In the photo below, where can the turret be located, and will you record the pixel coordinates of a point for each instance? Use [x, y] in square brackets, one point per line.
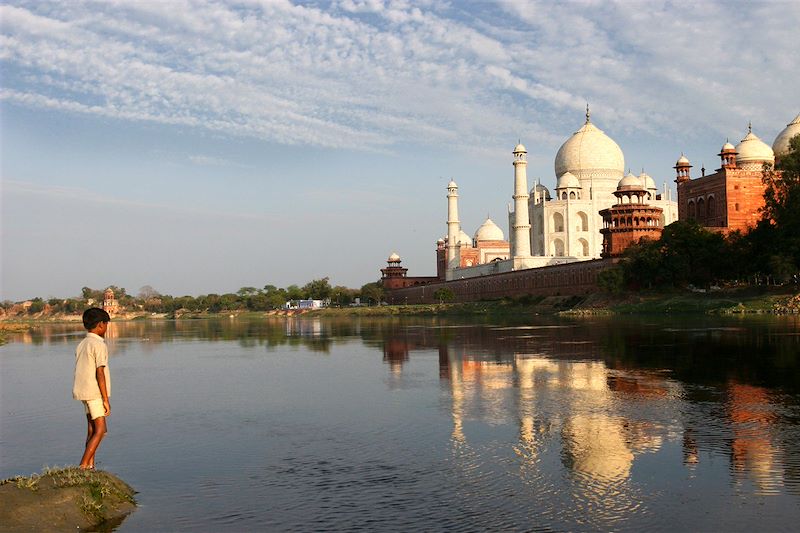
[682, 167]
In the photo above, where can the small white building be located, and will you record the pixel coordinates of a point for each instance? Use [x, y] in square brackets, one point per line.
[305, 304]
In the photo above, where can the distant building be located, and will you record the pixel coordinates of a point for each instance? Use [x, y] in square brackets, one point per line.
[732, 197]
[110, 304]
[395, 276]
[305, 304]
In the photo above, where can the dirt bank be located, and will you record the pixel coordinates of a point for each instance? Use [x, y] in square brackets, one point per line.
[64, 499]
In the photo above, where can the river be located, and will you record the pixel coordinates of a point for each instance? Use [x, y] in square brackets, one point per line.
[543, 424]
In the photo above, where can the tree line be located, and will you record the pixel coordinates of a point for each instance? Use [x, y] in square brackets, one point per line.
[266, 298]
[688, 253]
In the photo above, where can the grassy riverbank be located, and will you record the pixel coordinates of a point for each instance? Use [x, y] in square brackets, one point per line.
[64, 499]
[751, 300]
[761, 300]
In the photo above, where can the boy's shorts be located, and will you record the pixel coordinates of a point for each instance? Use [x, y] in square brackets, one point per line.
[94, 408]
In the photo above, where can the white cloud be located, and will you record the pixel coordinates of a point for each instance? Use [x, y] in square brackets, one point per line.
[371, 75]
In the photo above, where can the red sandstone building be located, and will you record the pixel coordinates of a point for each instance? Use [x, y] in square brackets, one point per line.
[630, 219]
[732, 197]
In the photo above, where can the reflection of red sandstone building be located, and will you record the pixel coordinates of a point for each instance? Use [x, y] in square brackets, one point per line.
[630, 219]
[110, 304]
[731, 198]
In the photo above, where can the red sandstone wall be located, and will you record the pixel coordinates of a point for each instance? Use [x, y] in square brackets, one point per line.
[738, 197]
[557, 280]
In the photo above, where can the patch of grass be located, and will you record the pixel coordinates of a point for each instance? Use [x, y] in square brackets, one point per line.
[97, 482]
[22, 482]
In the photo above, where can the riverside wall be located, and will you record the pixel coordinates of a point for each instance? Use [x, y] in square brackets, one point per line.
[556, 280]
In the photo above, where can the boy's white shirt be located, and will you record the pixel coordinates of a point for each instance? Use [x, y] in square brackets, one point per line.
[90, 354]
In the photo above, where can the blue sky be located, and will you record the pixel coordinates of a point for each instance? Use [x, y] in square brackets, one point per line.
[203, 146]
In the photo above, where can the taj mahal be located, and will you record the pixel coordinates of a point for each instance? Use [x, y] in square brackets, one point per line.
[551, 228]
[559, 241]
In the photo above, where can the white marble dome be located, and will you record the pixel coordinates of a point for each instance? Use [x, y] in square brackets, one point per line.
[647, 182]
[464, 239]
[630, 182]
[393, 258]
[489, 231]
[520, 148]
[752, 153]
[781, 145]
[682, 160]
[452, 185]
[727, 147]
[590, 152]
[567, 180]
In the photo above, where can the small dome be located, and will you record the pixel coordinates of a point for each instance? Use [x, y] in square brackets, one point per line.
[781, 145]
[727, 147]
[567, 181]
[630, 182]
[647, 182]
[464, 239]
[520, 148]
[753, 152]
[489, 231]
[394, 258]
[452, 184]
[682, 160]
[541, 190]
[440, 241]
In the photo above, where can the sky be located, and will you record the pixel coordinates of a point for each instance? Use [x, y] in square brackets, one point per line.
[202, 146]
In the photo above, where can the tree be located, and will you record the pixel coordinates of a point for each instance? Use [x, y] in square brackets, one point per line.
[318, 289]
[146, 292]
[341, 295]
[444, 294]
[372, 292]
[611, 280]
[781, 213]
[244, 292]
[293, 292]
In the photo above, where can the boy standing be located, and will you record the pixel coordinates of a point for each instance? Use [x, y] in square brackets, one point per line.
[92, 380]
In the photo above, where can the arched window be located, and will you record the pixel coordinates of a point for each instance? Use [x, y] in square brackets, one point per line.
[693, 210]
[572, 195]
[558, 248]
[583, 221]
[701, 210]
[711, 207]
[564, 195]
[584, 247]
[558, 222]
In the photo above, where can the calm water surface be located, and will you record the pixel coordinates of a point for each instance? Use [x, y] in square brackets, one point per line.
[624, 424]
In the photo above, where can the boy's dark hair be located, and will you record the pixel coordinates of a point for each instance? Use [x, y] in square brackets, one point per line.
[93, 316]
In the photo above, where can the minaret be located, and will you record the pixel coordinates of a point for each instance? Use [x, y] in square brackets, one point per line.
[522, 224]
[453, 225]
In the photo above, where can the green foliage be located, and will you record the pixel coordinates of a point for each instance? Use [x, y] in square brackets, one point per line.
[780, 226]
[372, 293]
[444, 294]
[37, 306]
[685, 254]
[318, 289]
[611, 280]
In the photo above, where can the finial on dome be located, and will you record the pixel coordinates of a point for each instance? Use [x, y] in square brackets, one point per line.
[749, 126]
[587, 113]
[703, 169]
